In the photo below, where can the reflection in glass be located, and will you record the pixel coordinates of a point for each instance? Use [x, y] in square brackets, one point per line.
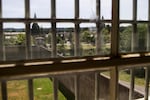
[106, 9]
[88, 9]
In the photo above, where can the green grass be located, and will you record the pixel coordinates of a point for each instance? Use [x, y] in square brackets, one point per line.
[43, 90]
[126, 77]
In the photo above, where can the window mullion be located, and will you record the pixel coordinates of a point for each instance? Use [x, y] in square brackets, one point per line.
[2, 49]
[98, 25]
[77, 29]
[27, 29]
[53, 16]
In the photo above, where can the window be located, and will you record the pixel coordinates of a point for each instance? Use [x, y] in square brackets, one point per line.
[89, 23]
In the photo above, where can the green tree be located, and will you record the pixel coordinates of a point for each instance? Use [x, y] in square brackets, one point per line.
[125, 39]
[20, 39]
[87, 37]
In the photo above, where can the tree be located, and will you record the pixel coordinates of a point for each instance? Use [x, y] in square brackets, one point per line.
[87, 37]
[125, 39]
[35, 29]
[20, 39]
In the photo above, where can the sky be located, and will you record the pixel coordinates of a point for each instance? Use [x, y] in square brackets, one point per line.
[65, 9]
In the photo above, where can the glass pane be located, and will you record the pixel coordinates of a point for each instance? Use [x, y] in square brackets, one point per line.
[41, 40]
[105, 38]
[88, 9]
[106, 9]
[125, 37]
[126, 9]
[13, 8]
[65, 8]
[14, 41]
[41, 8]
[87, 39]
[142, 30]
[142, 10]
[65, 39]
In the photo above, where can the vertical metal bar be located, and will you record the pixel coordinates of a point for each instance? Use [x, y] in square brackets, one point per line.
[132, 81]
[148, 34]
[76, 87]
[134, 47]
[4, 90]
[55, 88]
[97, 86]
[53, 24]
[2, 48]
[114, 83]
[147, 74]
[114, 49]
[54, 46]
[134, 43]
[30, 89]
[27, 29]
[28, 46]
[98, 25]
[77, 29]
[146, 83]
[115, 28]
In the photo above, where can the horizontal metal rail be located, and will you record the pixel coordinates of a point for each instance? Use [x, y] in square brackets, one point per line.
[53, 66]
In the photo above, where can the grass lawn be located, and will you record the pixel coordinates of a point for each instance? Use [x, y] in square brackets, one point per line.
[126, 77]
[43, 90]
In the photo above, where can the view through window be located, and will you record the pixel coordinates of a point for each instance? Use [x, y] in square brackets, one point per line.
[41, 29]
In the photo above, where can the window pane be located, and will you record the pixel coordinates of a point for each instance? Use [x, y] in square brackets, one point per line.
[126, 9]
[87, 39]
[13, 8]
[125, 37]
[41, 8]
[142, 10]
[65, 8]
[106, 9]
[14, 41]
[88, 9]
[40, 40]
[65, 39]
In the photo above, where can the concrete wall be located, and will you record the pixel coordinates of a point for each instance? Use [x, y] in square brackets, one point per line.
[87, 87]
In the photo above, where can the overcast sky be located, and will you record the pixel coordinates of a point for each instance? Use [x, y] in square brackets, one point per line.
[65, 9]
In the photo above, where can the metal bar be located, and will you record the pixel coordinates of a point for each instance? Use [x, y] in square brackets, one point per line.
[147, 74]
[27, 29]
[114, 83]
[148, 34]
[97, 85]
[115, 28]
[55, 88]
[134, 47]
[4, 90]
[2, 48]
[20, 69]
[77, 30]
[98, 25]
[53, 16]
[30, 89]
[132, 81]
[76, 87]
